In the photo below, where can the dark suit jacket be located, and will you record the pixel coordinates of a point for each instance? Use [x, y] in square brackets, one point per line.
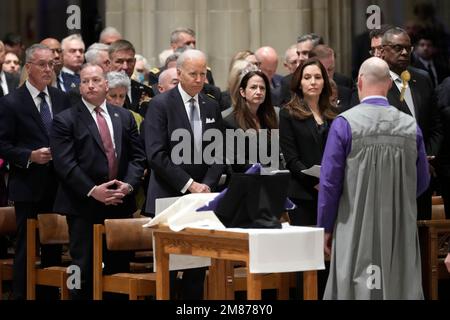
[165, 114]
[81, 163]
[12, 81]
[342, 80]
[442, 71]
[138, 91]
[302, 147]
[22, 131]
[425, 105]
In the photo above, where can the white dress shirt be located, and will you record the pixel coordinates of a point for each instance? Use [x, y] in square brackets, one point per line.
[4, 83]
[37, 100]
[105, 114]
[408, 97]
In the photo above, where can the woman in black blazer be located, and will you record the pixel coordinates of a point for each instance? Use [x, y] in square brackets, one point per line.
[253, 110]
[304, 124]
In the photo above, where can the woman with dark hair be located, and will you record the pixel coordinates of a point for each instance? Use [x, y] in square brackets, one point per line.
[253, 110]
[304, 124]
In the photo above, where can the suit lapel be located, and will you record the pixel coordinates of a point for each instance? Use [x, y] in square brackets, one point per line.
[87, 119]
[180, 109]
[117, 128]
[203, 111]
[394, 99]
[414, 93]
[28, 102]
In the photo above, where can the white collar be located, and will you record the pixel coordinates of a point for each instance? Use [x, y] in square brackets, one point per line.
[91, 107]
[185, 96]
[34, 91]
[67, 70]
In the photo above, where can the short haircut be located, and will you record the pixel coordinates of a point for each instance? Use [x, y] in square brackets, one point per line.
[72, 37]
[189, 54]
[376, 33]
[118, 79]
[171, 58]
[316, 39]
[91, 54]
[88, 64]
[321, 51]
[29, 53]
[142, 58]
[387, 36]
[163, 75]
[109, 31]
[174, 36]
[121, 45]
[12, 39]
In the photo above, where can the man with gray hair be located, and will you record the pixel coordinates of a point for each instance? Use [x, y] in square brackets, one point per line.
[97, 53]
[109, 35]
[26, 116]
[373, 168]
[73, 57]
[184, 107]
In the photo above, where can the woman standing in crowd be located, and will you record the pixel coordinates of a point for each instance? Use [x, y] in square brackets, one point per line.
[119, 84]
[253, 110]
[304, 124]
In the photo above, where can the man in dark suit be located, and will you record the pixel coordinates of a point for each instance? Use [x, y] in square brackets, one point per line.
[183, 107]
[268, 59]
[99, 161]
[424, 58]
[25, 120]
[419, 100]
[121, 54]
[8, 81]
[73, 57]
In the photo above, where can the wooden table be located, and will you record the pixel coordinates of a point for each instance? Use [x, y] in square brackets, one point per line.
[222, 247]
[429, 231]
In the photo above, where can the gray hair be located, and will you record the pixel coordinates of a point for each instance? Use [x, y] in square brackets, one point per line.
[163, 75]
[121, 45]
[139, 57]
[286, 54]
[316, 39]
[172, 57]
[175, 35]
[190, 54]
[109, 31]
[118, 79]
[91, 54]
[72, 37]
[387, 36]
[29, 53]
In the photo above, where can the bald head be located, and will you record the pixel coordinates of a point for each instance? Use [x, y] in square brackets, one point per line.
[167, 80]
[374, 78]
[268, 58]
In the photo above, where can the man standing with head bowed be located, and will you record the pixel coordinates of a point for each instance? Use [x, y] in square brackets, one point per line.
[25, 120]
[183, 107]
[99, 161]
[374, 166]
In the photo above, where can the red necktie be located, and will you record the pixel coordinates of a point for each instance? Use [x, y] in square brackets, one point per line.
[107, 143]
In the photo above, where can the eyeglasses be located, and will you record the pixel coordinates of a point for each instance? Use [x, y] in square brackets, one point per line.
[42, 64]
[399, 48]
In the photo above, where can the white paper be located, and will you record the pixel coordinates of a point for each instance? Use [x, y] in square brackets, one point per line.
[313, 171]
[179, 213]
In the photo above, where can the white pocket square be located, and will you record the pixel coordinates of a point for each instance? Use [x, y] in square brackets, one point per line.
[208, 120]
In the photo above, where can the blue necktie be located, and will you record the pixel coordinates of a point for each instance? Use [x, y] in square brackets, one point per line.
[46, 116]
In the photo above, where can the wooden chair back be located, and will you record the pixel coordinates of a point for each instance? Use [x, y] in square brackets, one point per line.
[123, 234]
[52, 229]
